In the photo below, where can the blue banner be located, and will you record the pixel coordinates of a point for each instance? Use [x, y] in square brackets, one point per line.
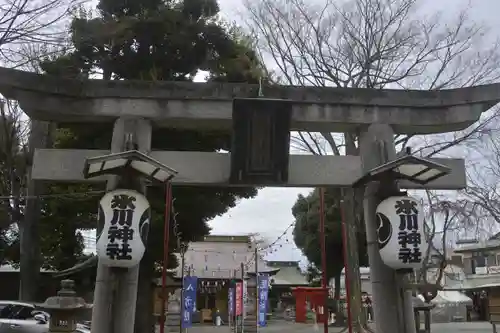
[263, 295]
[230, 301]
[188, 300]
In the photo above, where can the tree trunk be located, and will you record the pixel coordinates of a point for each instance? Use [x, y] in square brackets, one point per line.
[144, 316]
[29, 228]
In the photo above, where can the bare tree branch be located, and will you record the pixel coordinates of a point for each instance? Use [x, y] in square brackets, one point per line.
[445, 220]
[372, 44]
[33, 23]
[13, 153]
[483, 175]
[383, 44]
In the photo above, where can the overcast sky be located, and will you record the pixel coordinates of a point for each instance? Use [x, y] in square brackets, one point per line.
[270, 212]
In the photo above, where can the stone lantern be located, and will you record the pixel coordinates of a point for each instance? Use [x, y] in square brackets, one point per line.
[64, 308]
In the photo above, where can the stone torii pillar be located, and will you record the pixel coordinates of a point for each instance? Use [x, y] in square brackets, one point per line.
[376, 148]
[40, 137]
[115, 294]
[375, 114]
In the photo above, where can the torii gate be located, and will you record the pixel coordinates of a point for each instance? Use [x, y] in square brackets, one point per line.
[375, 114]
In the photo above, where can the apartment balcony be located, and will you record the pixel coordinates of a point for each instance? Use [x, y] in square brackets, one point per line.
[480, 277]
[481, 271]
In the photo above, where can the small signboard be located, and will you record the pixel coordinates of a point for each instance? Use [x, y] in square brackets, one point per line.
[261, 141]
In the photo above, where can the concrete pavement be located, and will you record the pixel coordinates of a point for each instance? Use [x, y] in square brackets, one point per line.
[481, 327]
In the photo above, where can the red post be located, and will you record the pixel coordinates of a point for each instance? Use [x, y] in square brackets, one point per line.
[346, 271]
[319, 301]
[166, 236]
[323, 254]
[300, 305]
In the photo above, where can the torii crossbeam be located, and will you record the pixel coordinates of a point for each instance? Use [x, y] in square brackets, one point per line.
[375, 114]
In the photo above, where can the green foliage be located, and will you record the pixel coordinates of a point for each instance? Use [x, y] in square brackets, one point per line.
[151, 40]
[66, 209]
[313, 276]
[306, 232]
[158, 40]
[72, 207]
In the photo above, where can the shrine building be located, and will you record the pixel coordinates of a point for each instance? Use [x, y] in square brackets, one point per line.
[217, 261]
[288, 277]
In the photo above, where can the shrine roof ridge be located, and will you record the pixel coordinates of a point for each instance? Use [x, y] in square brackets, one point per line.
[283, 263]
[12, 81]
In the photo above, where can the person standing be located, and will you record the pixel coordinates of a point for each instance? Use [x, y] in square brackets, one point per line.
[369, 308]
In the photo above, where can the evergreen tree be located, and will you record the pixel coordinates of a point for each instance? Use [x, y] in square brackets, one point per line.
[155, 40]
[306, 235]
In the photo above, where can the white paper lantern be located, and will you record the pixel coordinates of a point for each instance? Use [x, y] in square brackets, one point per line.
[125, 217]
[400, 229]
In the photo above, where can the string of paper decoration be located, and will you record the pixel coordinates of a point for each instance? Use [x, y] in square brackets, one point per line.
[272, 247]
[277, 242]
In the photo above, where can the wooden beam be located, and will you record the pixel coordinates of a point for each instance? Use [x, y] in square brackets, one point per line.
[213, 169]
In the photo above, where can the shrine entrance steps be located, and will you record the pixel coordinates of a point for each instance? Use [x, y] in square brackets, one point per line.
[172, 323]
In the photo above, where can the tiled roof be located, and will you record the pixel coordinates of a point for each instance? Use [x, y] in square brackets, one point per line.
[289, 273]
[221, 257]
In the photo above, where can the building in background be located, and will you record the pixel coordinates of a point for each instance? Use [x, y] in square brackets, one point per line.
[89, 241]
[366, 285]
[289, 276]
[216, 261]
[481, 266]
